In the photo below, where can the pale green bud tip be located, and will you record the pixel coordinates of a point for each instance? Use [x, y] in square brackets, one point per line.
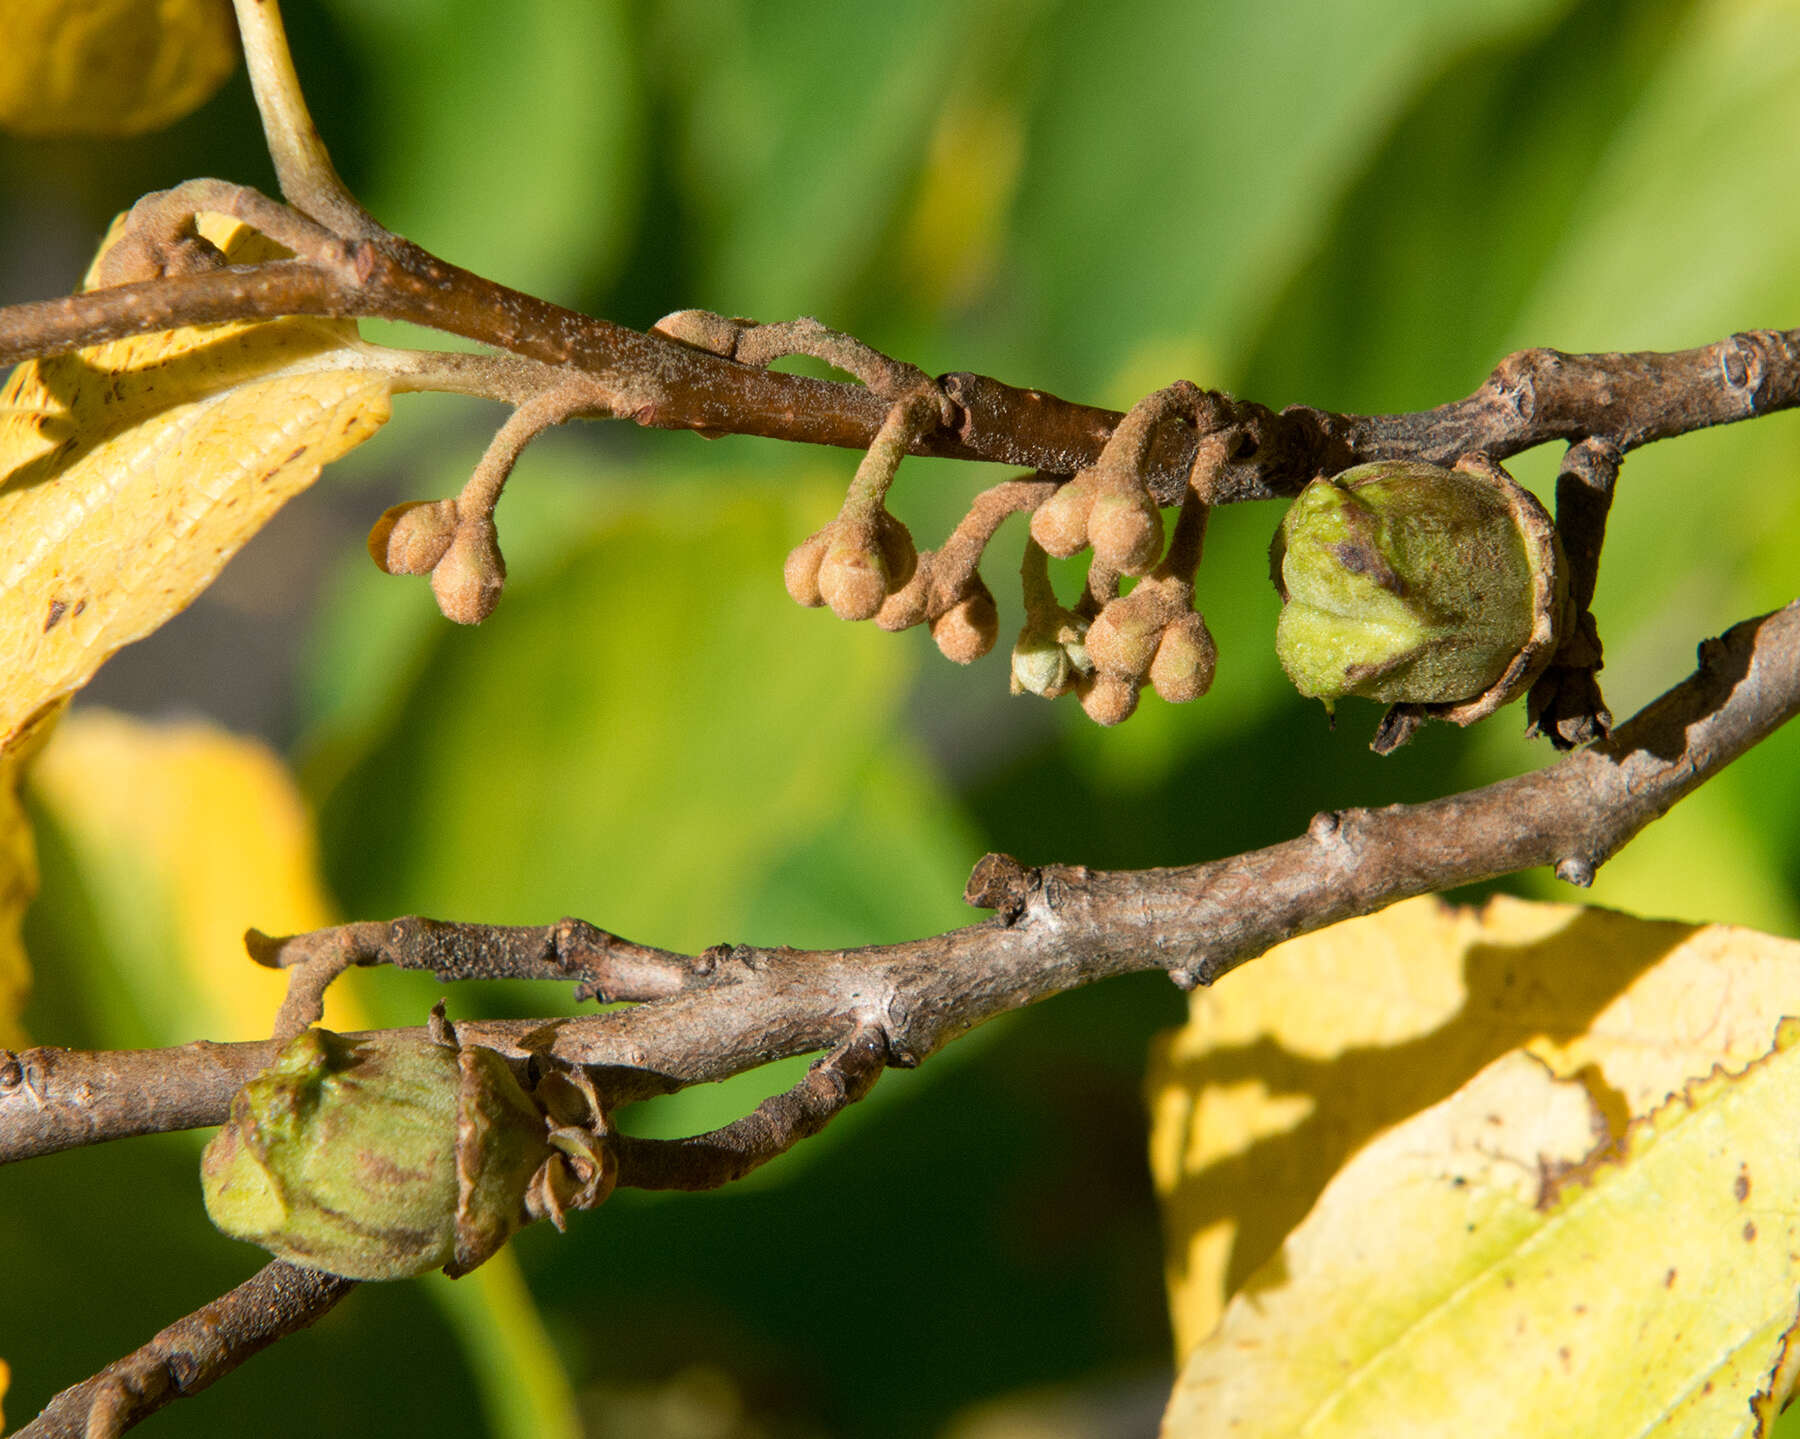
[1040, 667]
[375, 1158]
[1403, 583]
[1050, 656]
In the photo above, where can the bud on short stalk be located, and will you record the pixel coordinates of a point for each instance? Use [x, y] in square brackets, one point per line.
[852, 565]
[967, 630]
[1411, 584]
[1182, 669]
[1060, 524]
[467, 580]
[1125, 528]
[410, 539]
[1109, 699]
[1050, 656]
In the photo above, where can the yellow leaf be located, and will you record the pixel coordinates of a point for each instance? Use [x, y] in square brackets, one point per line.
[5, 1380]
[131, 472]
[111, 67]
[18, 883]
[215, 838]
[1449, 1282]
[1294, 1063]
[18, 877]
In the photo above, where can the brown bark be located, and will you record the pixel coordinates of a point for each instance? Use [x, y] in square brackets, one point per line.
[1057, 927]
[1532, 397]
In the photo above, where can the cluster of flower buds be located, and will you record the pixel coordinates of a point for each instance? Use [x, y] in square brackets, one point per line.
[1437, 589]
[1152, 634]
[1106, 507]
[460, 552]
[950, 598]
[1111, 645]
[863, 565]
[389, 1156]
[454, 541]
[865, 555]
[853, 564]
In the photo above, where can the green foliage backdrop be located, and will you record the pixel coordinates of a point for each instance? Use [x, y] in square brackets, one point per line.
[1353, 206]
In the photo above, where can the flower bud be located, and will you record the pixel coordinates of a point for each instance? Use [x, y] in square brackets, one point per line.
[468, 579]
[853, 579]
[410, 539]
[801, 572]
[1412, 584]
[1041, 668]
[898, 552]
[1060, 524]
[863, 562]
[1109, 699]
[1123, 637]
[967, 630]
[1050, 656]
[1125, 528]
[377, 1158]
[1185, 659]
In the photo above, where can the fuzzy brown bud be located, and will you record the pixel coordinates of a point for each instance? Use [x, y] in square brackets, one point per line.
[1185, 660]
[853, 579]
[898, 552]
[801, 572]
[967, 630]
[1109, 699]
[468, 579]
[1126, 530]
[702, 329]
[1122, 639]
[1060, 524]
[410, 539]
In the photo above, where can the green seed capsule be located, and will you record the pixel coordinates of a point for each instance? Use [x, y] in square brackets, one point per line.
[1411, 584]
[376, 1158]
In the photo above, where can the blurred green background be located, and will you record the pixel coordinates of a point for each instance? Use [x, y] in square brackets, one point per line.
[1359, 207]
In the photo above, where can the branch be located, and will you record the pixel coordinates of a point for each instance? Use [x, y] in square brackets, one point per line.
[302, 166]
[282, 1298]
[1057, 928]
[1531, 398]
[709, 1161]
[607, 967]
[191, 1353]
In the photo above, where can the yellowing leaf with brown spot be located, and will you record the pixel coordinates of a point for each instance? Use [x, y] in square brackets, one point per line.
[1442, 1286]
[131, 472]
[1463, 1055]
[183, 836]
[110, 67]
[1293, 1063]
